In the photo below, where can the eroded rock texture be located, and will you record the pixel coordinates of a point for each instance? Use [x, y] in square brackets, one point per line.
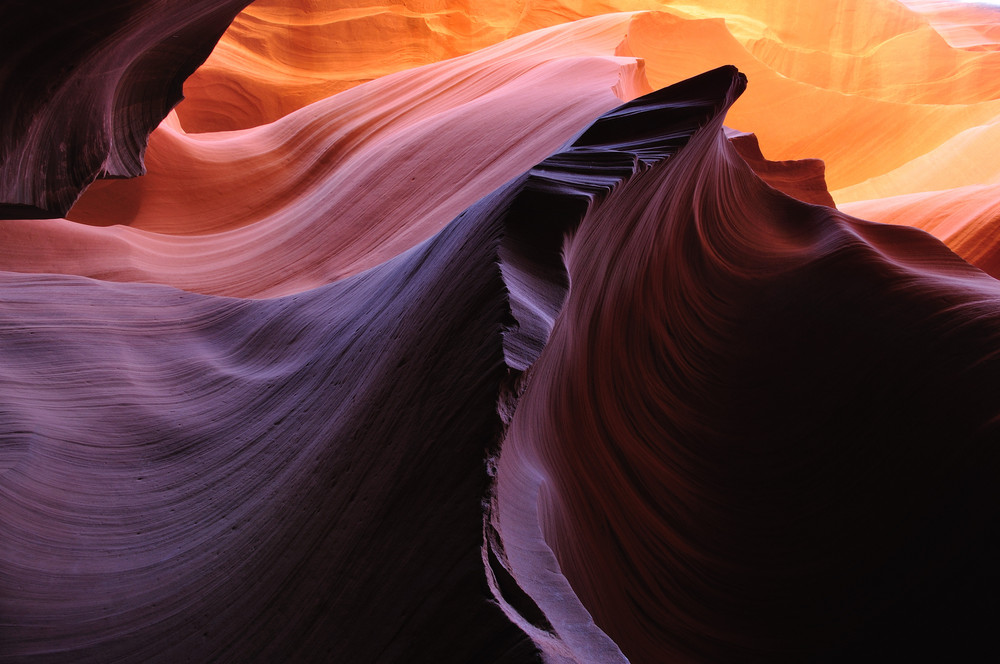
[727, 444]
[468, 333]
[84, 84]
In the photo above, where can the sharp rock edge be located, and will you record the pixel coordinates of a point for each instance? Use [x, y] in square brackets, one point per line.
[758, 430]
[189, 477]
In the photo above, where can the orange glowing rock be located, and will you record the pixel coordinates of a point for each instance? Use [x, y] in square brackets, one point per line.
[877, 78]
[580, 373]
[967, 219]
[343, 184]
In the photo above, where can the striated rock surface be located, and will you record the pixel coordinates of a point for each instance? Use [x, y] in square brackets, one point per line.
[965, 218]
[877, 78]
[83, 86]
[198, 477]
[760, 430]
[802, 179]
[433, 333]
[967, 25]
[341, 185]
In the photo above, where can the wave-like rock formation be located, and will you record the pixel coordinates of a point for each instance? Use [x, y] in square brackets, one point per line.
[343, 184]
[879, 78]
[505, 357]
[194, 478]
[964, 218]
[728, 446]
[83, 86]
[803, 179]
[214, 481]
[972, 26]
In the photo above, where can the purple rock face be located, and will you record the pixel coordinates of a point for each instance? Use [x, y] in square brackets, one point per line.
[633, 405]
[197, 477]
[83, 85]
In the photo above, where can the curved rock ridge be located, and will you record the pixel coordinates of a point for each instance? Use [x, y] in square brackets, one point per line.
[760, 430]
[555, 194]
[968, 25]
[344, 184]
[83, 86]
[965, 218]
[965, 159]
[280, 55]
[195, 478]
[801, 178]
[825, 122]
[869, 77]
[653, 129]
[192, 477]
[432, 365]
[883, 70]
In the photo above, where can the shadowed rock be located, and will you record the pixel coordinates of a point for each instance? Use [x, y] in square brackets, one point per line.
[83, 85]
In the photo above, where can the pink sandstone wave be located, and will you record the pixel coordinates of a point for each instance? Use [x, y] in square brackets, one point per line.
[434, 333]
[883, 68]
[343, 184]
